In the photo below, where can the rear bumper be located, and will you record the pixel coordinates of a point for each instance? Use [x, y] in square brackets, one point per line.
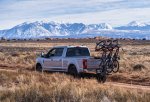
[89, 70]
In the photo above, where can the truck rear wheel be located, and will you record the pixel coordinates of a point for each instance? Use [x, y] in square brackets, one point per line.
[72, 71]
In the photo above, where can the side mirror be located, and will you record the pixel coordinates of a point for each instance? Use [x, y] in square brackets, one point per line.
[52, 55]
[42, 54]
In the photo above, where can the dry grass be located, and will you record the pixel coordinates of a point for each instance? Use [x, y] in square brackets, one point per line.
[36, 87]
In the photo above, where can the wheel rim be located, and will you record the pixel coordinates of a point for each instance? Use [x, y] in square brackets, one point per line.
[109, 66]
[115, 66]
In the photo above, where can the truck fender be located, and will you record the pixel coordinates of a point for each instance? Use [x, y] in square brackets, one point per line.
[71, 64]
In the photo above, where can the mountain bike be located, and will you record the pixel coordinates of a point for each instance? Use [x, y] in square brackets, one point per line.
[102, 71]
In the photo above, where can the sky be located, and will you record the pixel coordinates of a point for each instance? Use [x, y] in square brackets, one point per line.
[114, 12]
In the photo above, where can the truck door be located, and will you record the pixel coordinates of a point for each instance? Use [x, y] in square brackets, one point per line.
[54, 59]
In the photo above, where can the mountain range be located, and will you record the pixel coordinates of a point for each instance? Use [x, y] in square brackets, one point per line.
[40, 29]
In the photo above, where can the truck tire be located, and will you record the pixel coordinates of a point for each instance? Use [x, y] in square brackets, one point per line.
[38, 67]
[72, 71]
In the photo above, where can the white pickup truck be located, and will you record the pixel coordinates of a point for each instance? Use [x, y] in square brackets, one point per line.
[71, 59]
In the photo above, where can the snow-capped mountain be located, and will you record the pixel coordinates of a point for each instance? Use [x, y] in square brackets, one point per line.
[47, 29]
[134, 25]
[42, 29]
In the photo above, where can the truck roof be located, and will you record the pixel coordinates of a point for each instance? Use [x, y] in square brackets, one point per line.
[68, 46]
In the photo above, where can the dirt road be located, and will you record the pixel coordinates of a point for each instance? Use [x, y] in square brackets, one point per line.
[129, 86]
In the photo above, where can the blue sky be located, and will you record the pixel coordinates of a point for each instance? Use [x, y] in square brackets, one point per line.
[114, 12]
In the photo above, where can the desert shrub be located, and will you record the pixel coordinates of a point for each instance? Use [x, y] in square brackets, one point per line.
[14, 54]
[138, 67]
[133, 53]
[144, 39]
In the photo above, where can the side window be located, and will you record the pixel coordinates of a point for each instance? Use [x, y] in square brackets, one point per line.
[58, 52]
[55, 52]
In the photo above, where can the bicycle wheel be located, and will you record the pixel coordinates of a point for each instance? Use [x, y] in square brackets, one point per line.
[109, 66]
[99, 45]
[115, 66]
[102, 75]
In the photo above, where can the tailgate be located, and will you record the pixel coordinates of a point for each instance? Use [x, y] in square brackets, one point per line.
[93, 63]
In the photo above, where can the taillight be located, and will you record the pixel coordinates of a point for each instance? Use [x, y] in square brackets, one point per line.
[84, 63]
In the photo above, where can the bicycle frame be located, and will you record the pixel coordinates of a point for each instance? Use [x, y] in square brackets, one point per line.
[116, 54]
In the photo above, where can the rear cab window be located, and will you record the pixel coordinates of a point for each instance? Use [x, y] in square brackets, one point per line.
[77, 51]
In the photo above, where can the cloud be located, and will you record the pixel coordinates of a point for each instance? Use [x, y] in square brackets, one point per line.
[13, 12]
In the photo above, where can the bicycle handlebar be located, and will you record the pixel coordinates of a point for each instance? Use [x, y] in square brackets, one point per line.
[107, 45]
